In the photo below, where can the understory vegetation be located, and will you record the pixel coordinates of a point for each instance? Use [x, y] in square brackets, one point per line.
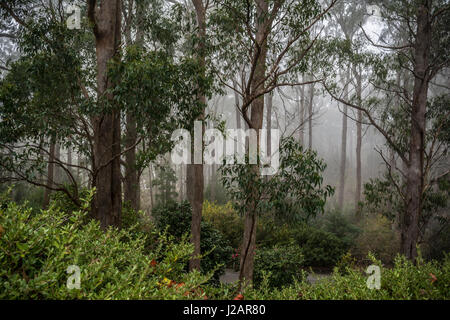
[148, 258]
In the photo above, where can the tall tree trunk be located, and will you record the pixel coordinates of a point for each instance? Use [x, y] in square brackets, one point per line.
[69, 158]
[50, 174]
[238, 117]
[257, 112]
[194, 177]
[358, 145]
[343, 146]
[310, 114]
[269, 123]
[150, 185]
[107, 204]
[414, 175]
[131, 180]
[301, 106]
[236, 103]
[78, 170]
[57, 176]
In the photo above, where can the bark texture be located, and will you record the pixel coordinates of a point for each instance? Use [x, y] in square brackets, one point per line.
[358, 144]
[414, 178]
[256, 114]
[194, 174]
[343, 146]
[107, 204]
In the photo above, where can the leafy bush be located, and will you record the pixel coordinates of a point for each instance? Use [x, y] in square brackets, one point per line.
[341, 226]
[225, 219]
[176, 219]
[282, 264]
[378, 237]
[320, 248]
[438, 241]
[36, 250]
[271, 233]
[131, 217]
[61, 201]
[22, 192]
[405, 281]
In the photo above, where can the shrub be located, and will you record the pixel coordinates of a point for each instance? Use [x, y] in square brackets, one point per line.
[176, 219]
[270, 233]
[131, 217]
[62, 202]
[22, 192]
[341, 226]
[36, 249]
[437, 239]
[225, 219]
[320, 248]
[405, 281]
[378, 237]
[282, 264]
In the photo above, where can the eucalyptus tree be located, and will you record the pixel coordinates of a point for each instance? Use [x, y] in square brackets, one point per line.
[421, 51]
[73, 86]
[148, 25]
[272, 40]
[348, 15]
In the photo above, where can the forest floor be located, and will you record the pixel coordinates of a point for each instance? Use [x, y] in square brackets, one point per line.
[230, 276]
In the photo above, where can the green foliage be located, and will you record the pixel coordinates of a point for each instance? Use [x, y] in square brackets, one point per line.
[62, 202]
[175, 218]
[294, 193]
[320, 248]
[382, 196]
[282, 264]
[225, 219]
[405, 281]
[132, 218]
[219, 194]
[165, 182]
[36, 249]
[341, 226]
[49, 93]
[22, 192]
[230, 21]
[161, 93]
[437, 243]
[377, 236]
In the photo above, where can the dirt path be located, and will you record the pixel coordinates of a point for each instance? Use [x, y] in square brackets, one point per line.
[231, 276]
